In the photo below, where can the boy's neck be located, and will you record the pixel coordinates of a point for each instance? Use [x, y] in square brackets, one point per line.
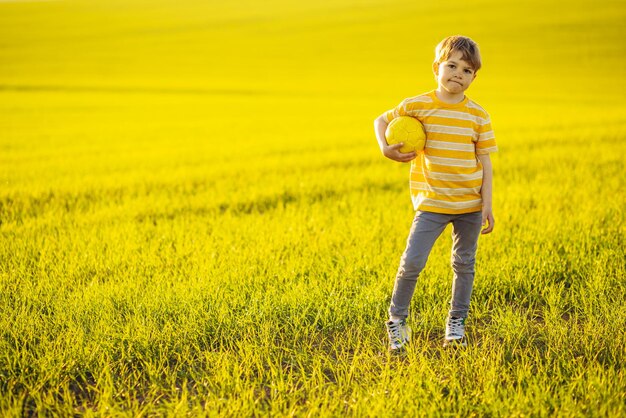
[449, 98]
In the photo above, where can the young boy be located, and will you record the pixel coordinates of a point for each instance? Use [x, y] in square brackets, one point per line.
[450, 182]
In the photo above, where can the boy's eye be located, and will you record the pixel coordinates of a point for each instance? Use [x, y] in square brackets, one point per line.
[468, 71]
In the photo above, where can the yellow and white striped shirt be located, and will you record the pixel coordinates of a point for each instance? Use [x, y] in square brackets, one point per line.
[447, 176]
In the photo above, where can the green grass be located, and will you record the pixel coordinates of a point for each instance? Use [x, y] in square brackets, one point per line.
[195, 217]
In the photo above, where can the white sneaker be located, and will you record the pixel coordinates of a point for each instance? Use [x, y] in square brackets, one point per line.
[399, 334]
[455, 332]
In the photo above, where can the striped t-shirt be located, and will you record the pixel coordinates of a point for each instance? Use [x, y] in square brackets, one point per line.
[447, 176]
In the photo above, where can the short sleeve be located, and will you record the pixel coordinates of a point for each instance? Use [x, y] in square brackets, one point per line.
[486, 143]
[398, 111]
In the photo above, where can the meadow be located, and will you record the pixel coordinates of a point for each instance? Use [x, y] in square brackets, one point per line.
[195, 218]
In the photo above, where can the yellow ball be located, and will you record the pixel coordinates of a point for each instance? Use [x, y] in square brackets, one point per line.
[408, 130]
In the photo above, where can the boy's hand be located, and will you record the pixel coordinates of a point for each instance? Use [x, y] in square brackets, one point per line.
[487, 218]
[393, 153]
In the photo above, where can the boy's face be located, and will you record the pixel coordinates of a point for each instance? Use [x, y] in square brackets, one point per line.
[454, 75]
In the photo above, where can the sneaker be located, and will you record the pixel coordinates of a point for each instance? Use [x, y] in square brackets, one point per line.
[455, 332]
[399, 334]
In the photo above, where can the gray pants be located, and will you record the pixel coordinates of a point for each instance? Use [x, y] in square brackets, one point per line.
[426, 228]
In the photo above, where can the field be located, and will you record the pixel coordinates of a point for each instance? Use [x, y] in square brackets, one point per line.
[195, 218]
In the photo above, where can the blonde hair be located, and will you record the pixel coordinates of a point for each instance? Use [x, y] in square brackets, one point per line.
[463, 44]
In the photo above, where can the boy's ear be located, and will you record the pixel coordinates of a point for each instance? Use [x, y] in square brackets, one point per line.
[435, 68]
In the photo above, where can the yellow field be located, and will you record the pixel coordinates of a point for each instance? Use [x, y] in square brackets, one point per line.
[195, 217]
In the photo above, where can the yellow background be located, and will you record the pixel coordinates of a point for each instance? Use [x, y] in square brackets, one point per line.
[195, 216]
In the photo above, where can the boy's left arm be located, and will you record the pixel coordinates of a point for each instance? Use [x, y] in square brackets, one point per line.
[485, 192]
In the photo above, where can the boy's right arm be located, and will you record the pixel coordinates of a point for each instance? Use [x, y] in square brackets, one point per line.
[390, 151]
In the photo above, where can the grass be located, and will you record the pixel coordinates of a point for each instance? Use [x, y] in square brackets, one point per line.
[195, 218]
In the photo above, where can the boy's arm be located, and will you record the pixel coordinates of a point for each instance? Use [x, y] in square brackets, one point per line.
[390, 151]
[485, 192]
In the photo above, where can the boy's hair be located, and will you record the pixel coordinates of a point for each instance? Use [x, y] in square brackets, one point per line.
[463, 44]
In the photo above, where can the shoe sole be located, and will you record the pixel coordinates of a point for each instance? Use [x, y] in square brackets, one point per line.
[454, 343]
[400, 348]
[397, 351]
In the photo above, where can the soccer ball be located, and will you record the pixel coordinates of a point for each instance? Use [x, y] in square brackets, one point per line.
[408, 130]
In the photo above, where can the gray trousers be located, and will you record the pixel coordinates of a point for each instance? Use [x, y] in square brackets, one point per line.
[426, 228]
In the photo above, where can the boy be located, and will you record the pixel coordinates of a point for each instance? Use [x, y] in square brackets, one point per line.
[450, 182]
